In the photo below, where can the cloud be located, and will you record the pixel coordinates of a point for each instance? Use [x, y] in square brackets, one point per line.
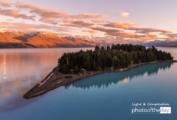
[61, 22]
[126, 35]
[15, 14]
[125, 14]
[77, 23]
[31, 27]
[5, 3]
[93, 27]
[87, 16]
[148, 30]
[90, 31]
[115, 32]
[172, 35]
[98, 21]
[50, 14]
[108, 31]
[50, 21]
[124, 25]
[115, 24]
[47, 15]
[130, 26]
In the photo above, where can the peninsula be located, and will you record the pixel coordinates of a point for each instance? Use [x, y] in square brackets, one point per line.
[74, 66]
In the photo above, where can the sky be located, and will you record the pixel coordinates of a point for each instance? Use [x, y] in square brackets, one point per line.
[123, 21]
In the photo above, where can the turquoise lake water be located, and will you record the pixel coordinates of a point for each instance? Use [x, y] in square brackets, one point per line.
[106, 96]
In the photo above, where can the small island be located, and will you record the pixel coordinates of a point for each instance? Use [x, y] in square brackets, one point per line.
[75, 66]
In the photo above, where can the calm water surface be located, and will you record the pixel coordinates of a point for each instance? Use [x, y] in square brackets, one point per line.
[102, 97]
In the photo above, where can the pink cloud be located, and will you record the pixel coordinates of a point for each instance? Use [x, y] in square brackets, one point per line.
[125, 14]
[46, 15]
[31, 27]
[119, 25]
[108, 31]
[15, 14]
[115, 24]
[90, 31]
[148, 30]
[129, 26]
[59, 20]
[88, 16]
[5, 3]
[77, 23]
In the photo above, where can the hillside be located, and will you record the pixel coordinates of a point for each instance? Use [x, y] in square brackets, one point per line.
[159, 43]
[41, 40]
[170, 45]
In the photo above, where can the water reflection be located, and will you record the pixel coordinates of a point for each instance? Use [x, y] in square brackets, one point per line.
[125, 81]
[21, 69]
[24, 68]
[125, 77]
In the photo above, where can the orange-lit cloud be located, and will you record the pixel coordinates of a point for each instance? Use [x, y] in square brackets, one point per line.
[148, 30]
[124, 25]
[5, 3]
[46, 15]
[15, 14]
[107, 30]
[172, 37]
[30, 27]
[124, 14]
[129, 26]
[51, 16]
[88, 16]
[77, 23]
[115, 24]
[62, 22]
[90, 31]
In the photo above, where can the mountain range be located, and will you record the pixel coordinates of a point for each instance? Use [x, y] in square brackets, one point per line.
[51, 40]
[159, 43]
[42, 40]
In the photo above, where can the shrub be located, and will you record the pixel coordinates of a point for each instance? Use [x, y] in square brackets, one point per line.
[80, 74]
[59, 78]
[71, 71]
[83, 71]
[90, 73]
[69, 76]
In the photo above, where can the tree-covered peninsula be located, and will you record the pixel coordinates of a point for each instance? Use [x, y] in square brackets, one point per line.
[110, 58]
[82, 64]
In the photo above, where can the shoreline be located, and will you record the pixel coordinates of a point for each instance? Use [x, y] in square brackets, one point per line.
[52, 80]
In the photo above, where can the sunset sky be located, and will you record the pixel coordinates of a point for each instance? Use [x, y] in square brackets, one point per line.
[125, 21]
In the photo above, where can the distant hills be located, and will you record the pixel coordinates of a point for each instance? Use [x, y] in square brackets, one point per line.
[170, 45]
[41, 40]
[158, 43]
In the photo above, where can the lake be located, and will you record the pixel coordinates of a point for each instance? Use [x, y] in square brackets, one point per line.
[106, 96]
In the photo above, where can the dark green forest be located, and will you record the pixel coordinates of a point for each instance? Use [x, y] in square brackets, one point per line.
[110, 58]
